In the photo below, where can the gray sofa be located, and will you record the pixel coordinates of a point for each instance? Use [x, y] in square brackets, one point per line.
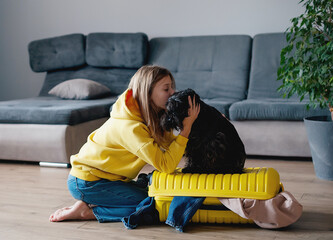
[234, 73]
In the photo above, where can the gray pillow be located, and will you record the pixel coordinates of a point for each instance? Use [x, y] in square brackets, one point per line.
[80, 89]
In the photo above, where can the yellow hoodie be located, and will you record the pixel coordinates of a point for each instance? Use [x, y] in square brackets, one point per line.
[123, 145]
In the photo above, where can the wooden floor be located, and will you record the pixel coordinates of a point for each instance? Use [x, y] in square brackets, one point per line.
[29, 194]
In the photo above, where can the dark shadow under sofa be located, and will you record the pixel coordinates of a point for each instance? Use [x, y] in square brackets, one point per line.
[234, 73]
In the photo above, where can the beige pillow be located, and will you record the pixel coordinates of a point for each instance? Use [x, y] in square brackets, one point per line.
[80, 89]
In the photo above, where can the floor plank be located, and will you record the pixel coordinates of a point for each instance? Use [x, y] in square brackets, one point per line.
[29, 194]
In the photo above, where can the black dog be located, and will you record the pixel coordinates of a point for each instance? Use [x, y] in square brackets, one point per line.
[214, 145]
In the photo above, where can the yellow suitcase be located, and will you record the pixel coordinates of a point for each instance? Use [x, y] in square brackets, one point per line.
[256, 183]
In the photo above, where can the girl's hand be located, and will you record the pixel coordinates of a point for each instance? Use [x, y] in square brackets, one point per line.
[193, 112]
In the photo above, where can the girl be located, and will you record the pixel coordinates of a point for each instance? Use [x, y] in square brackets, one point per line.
[101, 174]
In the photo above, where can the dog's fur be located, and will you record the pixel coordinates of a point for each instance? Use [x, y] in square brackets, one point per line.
[214, 145]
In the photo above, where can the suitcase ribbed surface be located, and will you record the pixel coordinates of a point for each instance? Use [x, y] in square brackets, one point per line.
[256, 183]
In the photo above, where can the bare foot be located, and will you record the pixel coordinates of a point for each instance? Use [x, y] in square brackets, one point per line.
[79, 211]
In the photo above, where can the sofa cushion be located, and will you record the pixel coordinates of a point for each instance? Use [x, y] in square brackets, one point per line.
[116, 79]
[80, 89]
[220, 104]
[52, 110]
[264, 65]
[126, 50]
[214, 66]
[57, 53]
[272, 109]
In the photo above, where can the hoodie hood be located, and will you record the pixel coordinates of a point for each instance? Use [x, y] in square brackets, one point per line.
[126, 107]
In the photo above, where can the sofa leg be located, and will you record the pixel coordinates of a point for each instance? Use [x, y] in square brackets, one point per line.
[52, 164]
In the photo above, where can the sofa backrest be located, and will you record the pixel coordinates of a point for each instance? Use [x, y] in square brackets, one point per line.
[57, 53]
[214, 66]
[264, 65]
[108, 58]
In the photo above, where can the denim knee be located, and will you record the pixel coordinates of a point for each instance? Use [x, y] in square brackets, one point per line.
[73, 188]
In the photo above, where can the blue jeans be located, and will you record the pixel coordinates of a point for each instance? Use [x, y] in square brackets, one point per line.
[145, 214]
[181, 211]
[113, 199]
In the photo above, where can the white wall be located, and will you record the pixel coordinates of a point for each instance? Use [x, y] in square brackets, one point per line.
[22, 21]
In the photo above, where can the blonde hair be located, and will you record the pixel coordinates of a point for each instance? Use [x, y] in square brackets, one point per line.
[142, 85]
